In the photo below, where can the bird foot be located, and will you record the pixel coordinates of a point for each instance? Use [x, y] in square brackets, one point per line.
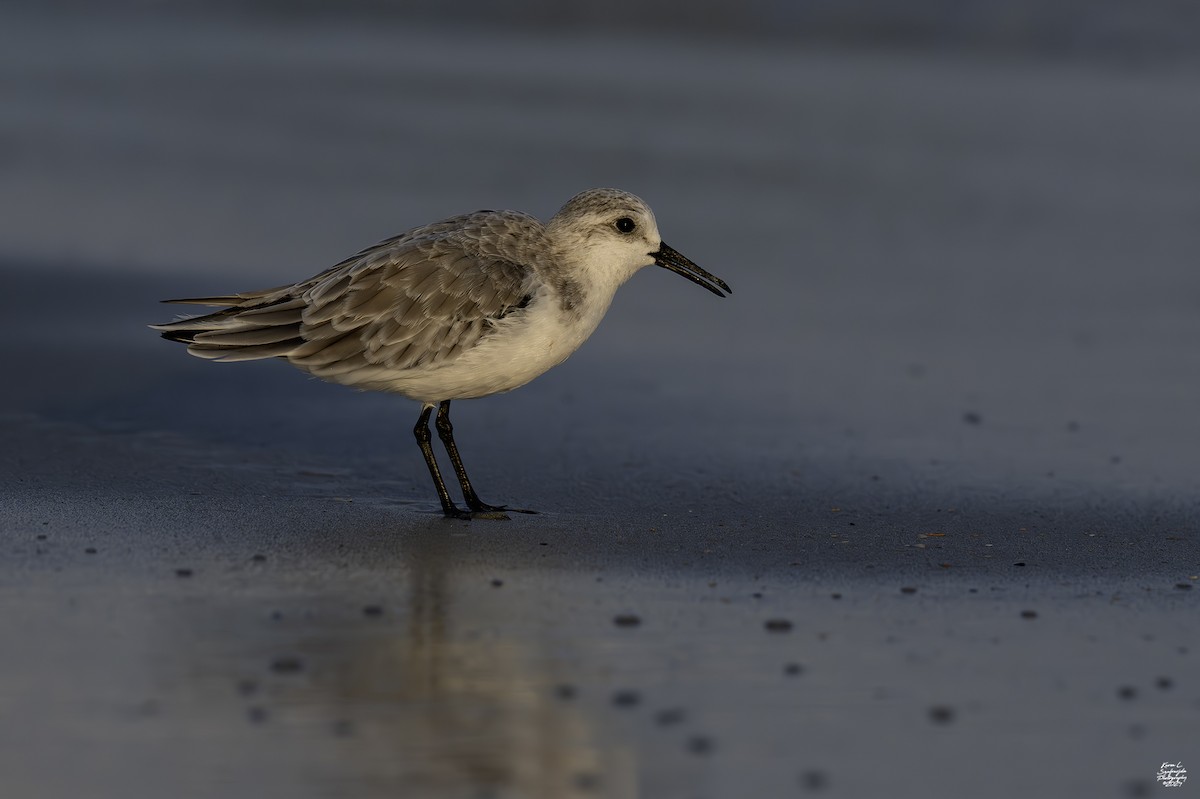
[482, 510]
[455, 512]
[495, 515]
[483, 507]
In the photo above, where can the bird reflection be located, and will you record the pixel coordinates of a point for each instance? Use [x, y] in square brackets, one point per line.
[435, 696]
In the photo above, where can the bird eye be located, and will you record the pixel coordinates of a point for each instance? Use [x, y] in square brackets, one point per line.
[625, 224]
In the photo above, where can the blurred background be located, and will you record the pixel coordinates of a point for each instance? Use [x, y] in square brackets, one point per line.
[271, 137]
[986, 213]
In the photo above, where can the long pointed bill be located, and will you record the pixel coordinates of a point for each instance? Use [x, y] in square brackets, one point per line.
[668, 258]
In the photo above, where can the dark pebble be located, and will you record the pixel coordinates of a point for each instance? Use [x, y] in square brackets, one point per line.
[183, 572]
[1127, 692]
[1137, 788]
[496, 583]
[92, 551]
[587, 781]
[247, 687]
[778, 625]
[1029, 614]
[668, 717]
[793, 669]
[565, 691]
[970, 417]
[908, 589]
[627, 620]
[1020, 563]
[1164, 683]
[835, 596]
[1180, 586]
[256, 714]
[258, 558]
[372, 610]
[700, 745]
[941, 714]
[814, 780]
[626, 698]
[287, 664]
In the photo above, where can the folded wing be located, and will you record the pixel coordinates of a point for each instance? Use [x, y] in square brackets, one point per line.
[411, 301]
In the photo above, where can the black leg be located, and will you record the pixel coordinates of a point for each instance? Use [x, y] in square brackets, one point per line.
[446, 434]
[421, 431]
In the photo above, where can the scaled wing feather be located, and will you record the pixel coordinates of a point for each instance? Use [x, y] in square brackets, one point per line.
[412, 300]
[415, 301]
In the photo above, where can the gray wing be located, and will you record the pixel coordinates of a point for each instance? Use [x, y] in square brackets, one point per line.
[414, 300]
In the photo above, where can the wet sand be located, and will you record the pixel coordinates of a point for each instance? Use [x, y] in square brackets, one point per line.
[912, 513]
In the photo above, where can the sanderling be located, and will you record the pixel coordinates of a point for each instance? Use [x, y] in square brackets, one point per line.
[471, 306]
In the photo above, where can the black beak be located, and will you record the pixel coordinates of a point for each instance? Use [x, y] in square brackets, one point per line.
[668, 258]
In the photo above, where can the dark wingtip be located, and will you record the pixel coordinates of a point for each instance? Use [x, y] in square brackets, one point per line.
[182, 336]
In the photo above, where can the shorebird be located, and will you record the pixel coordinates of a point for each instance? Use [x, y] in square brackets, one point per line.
[471, 306]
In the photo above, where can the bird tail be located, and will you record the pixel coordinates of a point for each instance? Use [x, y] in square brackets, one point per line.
[251, 326]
